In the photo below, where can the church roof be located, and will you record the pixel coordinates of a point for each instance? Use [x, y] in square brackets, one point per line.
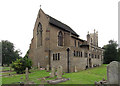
[61, 25]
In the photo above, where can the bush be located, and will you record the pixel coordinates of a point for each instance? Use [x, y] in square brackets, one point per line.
[20, 65]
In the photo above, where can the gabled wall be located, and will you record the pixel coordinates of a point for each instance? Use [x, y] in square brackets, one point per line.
[37, 54]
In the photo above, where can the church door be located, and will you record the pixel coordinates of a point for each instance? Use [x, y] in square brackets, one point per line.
[68, 60]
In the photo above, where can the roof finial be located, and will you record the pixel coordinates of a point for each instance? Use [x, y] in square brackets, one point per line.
[40, 6]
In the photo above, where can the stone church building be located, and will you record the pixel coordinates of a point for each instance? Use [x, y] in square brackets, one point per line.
[54, 43]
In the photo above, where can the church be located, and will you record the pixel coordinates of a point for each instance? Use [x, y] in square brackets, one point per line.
[55, 43]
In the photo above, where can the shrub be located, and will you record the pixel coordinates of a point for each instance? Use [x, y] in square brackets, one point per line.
[20, 65]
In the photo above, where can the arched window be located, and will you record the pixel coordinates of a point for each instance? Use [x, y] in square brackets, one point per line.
[39, 35]
[60, 39]
[39, 28]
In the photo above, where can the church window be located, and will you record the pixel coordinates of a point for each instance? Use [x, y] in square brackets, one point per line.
[89, 55]
[81, 54]
[74, 53]
[60, 39]
[95, 56]
[53, 57]
[39, 35]
[58, 56]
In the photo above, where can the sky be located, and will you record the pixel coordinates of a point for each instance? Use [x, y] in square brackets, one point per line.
[17, 19]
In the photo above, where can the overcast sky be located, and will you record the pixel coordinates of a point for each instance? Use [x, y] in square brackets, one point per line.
[17, 18]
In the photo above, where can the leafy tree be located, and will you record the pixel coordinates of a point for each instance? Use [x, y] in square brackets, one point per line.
[9, 54]
[20, 65]
[119, 54]
[110, 53]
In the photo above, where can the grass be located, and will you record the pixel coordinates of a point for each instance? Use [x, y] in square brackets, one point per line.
[82, 77]
[87, 76]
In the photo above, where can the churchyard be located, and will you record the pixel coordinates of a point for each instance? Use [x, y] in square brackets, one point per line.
[37, 76]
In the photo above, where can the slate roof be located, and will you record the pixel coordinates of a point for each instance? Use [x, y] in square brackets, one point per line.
[78, 38]
[61, 25]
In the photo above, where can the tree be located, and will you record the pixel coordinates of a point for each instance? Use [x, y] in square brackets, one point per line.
[20, 65]
[9, 54]
[119, 54]
[110, 53]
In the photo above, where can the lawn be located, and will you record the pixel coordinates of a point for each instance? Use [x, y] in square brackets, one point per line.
[88, 76]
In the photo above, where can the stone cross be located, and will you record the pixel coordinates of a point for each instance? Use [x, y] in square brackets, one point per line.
[26, 74]
[53, 72]
[59, 72]
[47, 68]
[38, 65]
[113, 72]
[75, 68]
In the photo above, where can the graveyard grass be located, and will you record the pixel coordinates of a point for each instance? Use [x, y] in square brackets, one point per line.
[88, 76]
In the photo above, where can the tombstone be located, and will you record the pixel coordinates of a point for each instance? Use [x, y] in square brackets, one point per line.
[26, 74]
[47, 68]
[38, 65]
[112, 73]
[53, 72]
[59, 72]
[75, 68]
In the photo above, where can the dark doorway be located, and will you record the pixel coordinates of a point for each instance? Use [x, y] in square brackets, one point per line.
[68, 60]
[90, 63]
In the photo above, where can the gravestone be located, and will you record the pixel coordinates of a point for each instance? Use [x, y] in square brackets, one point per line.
[113, 72]
[53, 72]
[47, 68]
[38, 65]
[59, 72]
[26, 75]
[75, 68]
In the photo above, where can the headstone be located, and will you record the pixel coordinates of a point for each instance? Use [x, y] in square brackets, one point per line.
[112, 73]
[53, 72]
[75, 69]
[47, 68]
[26, 74]
[38, 65]
[59, 72]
